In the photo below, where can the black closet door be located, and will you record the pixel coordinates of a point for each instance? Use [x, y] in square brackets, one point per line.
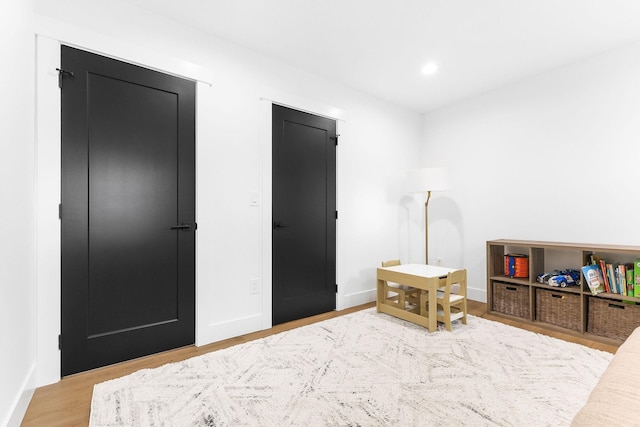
[128, 211]
[304, 214]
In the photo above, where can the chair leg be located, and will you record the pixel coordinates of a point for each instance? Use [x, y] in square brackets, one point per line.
[447, 317]
[464, 312]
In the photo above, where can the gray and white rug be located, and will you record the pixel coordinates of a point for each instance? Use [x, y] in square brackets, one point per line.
[364, 369]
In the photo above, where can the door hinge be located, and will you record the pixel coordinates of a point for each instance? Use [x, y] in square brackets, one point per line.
[61, 74]
[60, 342]
[336, 288]
[60, 211]
[336, 214]
[334, 138]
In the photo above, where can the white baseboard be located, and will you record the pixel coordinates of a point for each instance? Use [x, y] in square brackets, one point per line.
[357, 298]
[475, 294]
[229, 329]
[21, 401]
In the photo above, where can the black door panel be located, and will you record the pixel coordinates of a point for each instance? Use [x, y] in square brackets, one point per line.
[304, 233]
[128, 177]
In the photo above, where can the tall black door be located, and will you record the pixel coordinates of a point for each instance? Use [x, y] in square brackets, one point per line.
[304, 214]
[127, 212]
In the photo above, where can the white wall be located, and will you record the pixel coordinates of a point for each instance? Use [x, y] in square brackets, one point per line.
[17, 226]
[519, 157]
[550, 158]
[378, 143]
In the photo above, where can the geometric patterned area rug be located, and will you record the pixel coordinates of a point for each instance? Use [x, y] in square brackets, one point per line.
[364, 369]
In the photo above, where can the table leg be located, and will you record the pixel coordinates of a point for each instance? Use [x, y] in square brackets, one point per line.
[380, 297]
[433, 307]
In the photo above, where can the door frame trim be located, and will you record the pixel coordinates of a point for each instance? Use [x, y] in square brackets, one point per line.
[268, 97]
[48, 196]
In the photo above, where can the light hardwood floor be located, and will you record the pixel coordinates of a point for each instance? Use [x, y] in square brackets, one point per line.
[67, 403]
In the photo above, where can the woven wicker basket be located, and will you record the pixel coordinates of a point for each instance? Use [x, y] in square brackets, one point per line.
[511, 299]
[558, 308]
[612, 319]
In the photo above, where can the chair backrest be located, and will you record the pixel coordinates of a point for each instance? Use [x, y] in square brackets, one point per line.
[391, 263]
[456, 277]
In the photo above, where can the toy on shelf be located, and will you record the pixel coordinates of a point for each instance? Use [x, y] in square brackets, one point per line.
[560, 278]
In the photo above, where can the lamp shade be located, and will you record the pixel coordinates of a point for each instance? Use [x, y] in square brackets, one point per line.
[429, 179]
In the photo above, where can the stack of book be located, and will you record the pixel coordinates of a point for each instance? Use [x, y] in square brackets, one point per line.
[615, 277]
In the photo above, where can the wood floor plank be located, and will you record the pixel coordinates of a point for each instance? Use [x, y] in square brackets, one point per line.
[68, 402]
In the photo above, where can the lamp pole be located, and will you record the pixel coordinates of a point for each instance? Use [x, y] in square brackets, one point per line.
[426, 228]
[428, 180]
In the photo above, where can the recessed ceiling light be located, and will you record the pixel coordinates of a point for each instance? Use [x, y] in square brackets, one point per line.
[429, 68]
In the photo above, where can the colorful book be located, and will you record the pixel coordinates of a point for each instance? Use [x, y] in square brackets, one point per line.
[614, 274]
[622, 277]
[630, 282]
[603, 271]
[594, 279]
[611, 278]
[636, 278]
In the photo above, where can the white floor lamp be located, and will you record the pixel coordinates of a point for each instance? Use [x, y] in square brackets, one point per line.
[426, 180]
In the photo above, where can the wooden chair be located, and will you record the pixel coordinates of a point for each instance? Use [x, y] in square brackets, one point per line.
[400, 295]
[453, 306]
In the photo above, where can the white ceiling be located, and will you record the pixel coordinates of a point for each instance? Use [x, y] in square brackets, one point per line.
[379, 46]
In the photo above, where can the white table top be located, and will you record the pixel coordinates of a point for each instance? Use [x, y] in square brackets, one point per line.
[422, 270]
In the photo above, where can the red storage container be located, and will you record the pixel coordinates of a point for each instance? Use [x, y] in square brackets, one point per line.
[516, 265]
